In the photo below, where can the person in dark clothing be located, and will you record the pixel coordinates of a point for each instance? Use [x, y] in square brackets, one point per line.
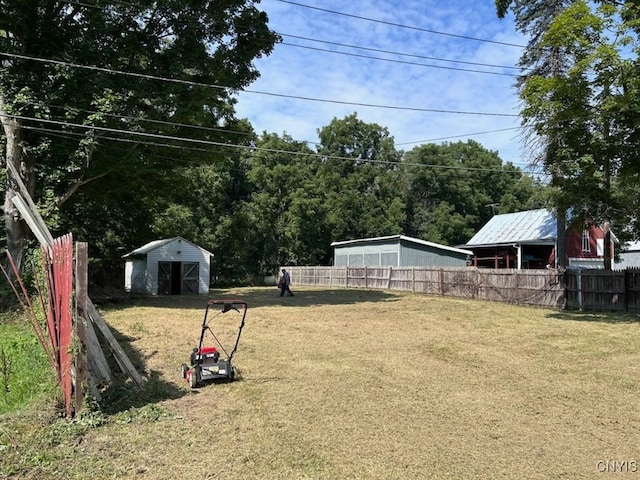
[285, 281]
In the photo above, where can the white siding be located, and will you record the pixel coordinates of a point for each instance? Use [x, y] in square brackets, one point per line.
[177, 251]
[141, 271]
[135, 276]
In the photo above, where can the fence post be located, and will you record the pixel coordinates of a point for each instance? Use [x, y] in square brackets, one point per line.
[413, 279]
[389, 280]
[579, 288]
[81, 275]
[624, 289]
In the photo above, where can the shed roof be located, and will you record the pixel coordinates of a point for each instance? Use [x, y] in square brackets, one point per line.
[145, 249]
[531, 226]
[402, 237]
[631, 247]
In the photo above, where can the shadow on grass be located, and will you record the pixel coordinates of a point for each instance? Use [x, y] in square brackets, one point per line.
[123, 393]
[596, 317]
[258, 297]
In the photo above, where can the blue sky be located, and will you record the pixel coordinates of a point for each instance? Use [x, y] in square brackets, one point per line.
[403, 27]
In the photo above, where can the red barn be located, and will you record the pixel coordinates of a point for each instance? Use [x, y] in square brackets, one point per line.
[528, 240]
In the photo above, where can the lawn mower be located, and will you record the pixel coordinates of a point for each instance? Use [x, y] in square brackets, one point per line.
[206, 364]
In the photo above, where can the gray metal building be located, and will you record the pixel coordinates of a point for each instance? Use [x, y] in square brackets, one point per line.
[397, 251]
[629, 257]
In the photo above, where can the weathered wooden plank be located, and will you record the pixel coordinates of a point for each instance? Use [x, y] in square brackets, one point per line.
[81, 379]
[116, 349]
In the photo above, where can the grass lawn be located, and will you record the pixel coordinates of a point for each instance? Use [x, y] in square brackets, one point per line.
[354, 384]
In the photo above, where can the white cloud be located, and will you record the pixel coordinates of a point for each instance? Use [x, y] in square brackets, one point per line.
[305, 72]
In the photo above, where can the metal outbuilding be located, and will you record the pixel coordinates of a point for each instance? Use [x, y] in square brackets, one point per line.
[629, 256]
[397, 251]
[171, 266]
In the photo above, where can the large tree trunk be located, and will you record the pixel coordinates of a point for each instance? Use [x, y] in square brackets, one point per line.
[561, 238]
[608, 257]
[15, 228]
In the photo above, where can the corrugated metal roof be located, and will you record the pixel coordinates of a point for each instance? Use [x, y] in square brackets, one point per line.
[143, 250]
[531, 226]
[402, 237]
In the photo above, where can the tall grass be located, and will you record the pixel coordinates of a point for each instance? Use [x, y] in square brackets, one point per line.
[25, 373]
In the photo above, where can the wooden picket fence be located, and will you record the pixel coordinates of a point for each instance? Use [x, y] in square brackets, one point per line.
[575, 289]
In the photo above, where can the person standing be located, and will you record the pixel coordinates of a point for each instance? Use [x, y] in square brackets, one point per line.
[285, 282]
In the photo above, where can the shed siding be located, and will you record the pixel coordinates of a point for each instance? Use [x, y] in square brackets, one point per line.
[628, 260]
[141, 271]
[374, 254]
[177, 251]
[629, 256]
[423, 256]
[135, 276]
[396, 253]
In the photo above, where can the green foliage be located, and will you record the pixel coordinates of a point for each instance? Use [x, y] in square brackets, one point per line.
[93, 175]
[453, 189]
[25, 373]
[579, 94]
[358, 175]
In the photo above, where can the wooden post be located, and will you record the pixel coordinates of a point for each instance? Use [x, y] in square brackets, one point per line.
[413, 279]
[81, 329]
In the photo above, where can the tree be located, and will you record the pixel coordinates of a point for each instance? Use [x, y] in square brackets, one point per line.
[453, 189]
[358, 175]
[533, 18]
[577, 98]
[82, 85]
[285, 213]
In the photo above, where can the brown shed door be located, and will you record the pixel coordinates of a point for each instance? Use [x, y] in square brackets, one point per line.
[190, 277]
[164, 278]
[175, 278]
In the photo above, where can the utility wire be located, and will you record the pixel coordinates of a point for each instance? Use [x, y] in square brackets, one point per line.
[379, 50]
[248, 134]
[464, 37]
[245, 147]
[404, 62]
[459, 136]
[280, 95]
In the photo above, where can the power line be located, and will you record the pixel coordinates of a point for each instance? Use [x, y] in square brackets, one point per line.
[280, 95]
[459, 136]
[241, 147]
[435, 32]
[405, 62]
[379, 50]
[243, 133]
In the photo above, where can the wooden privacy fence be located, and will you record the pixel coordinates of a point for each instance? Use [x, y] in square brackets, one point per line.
[584, 289]
[522, 287]
[617, 290]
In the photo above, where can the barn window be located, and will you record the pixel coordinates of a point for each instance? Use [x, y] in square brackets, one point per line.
[586, 247]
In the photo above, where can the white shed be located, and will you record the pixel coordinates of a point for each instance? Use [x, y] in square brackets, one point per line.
[171, 266]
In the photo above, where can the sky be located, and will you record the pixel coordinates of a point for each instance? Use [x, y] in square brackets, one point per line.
[434, 54]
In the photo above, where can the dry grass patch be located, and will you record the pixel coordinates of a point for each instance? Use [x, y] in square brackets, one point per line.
[374, 385]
